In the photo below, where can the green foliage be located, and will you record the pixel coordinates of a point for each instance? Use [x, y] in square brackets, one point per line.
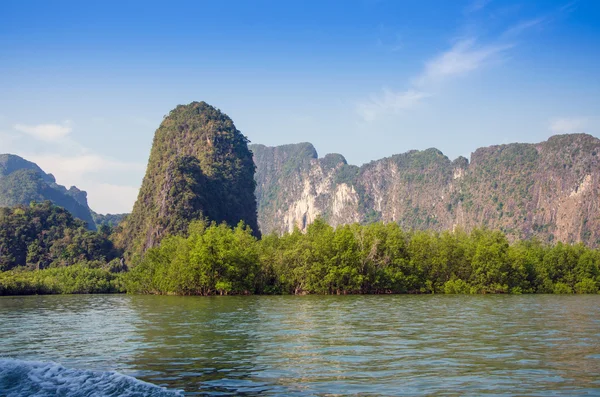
[356, 259]
[457, 286]
[83, 278]
[586, 286]
[562, 288]
[212, 260]
[44, 235]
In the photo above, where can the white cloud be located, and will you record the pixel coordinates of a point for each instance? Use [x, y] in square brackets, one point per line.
[568, 7]
[468, 54]
[389, 102]
[568, 125]
[464, 56]
[71, 170]
[46, 132]
[106, 198]
[7, 142]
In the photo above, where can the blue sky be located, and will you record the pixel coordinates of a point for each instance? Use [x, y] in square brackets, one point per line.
[84, 85]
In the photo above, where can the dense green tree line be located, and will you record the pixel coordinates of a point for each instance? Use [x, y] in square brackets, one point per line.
[81, 278]
[212, 259]
[43, 249]
[352, 259]
[43, 235]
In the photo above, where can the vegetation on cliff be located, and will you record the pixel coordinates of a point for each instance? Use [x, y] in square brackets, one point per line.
[199, 168]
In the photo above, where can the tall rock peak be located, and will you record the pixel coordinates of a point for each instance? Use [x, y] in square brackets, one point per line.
[199, 167]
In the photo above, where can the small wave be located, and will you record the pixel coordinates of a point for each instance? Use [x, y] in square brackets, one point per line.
[20, 378]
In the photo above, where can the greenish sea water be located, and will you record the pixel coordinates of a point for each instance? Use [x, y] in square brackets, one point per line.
[400, 345]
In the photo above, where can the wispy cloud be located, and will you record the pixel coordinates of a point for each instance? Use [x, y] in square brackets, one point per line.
[568, 125]
[570, 6]
[46, 132]
[463, 57]
[389, 102]
[466, 55]
[525, 25]
[475, 6]
[538, 22]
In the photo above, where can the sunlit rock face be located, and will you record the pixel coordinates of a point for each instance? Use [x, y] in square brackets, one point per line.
[548, 190]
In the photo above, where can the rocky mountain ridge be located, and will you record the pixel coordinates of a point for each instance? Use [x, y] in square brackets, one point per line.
[22, 182]
[547, 190]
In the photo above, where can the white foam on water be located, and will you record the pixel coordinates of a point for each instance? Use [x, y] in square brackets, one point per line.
[20, 378]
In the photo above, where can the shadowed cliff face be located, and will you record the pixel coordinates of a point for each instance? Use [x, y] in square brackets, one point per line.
[547, 190]
[199, 168]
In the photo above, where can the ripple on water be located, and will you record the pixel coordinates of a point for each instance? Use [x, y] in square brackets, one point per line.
[319, 345]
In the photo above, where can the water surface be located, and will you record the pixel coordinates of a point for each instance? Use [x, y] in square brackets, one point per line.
[318, 345]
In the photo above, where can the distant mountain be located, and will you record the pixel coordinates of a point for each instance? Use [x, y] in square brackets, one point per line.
[199, 168]
[549, 190]
[22, 182]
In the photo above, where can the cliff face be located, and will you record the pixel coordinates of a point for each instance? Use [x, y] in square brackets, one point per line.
[22, 182]
[294, 186]
[199, 167]
[548, 190]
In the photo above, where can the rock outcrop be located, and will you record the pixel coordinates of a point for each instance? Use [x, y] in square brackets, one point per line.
[199, 168]
[549, 190]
